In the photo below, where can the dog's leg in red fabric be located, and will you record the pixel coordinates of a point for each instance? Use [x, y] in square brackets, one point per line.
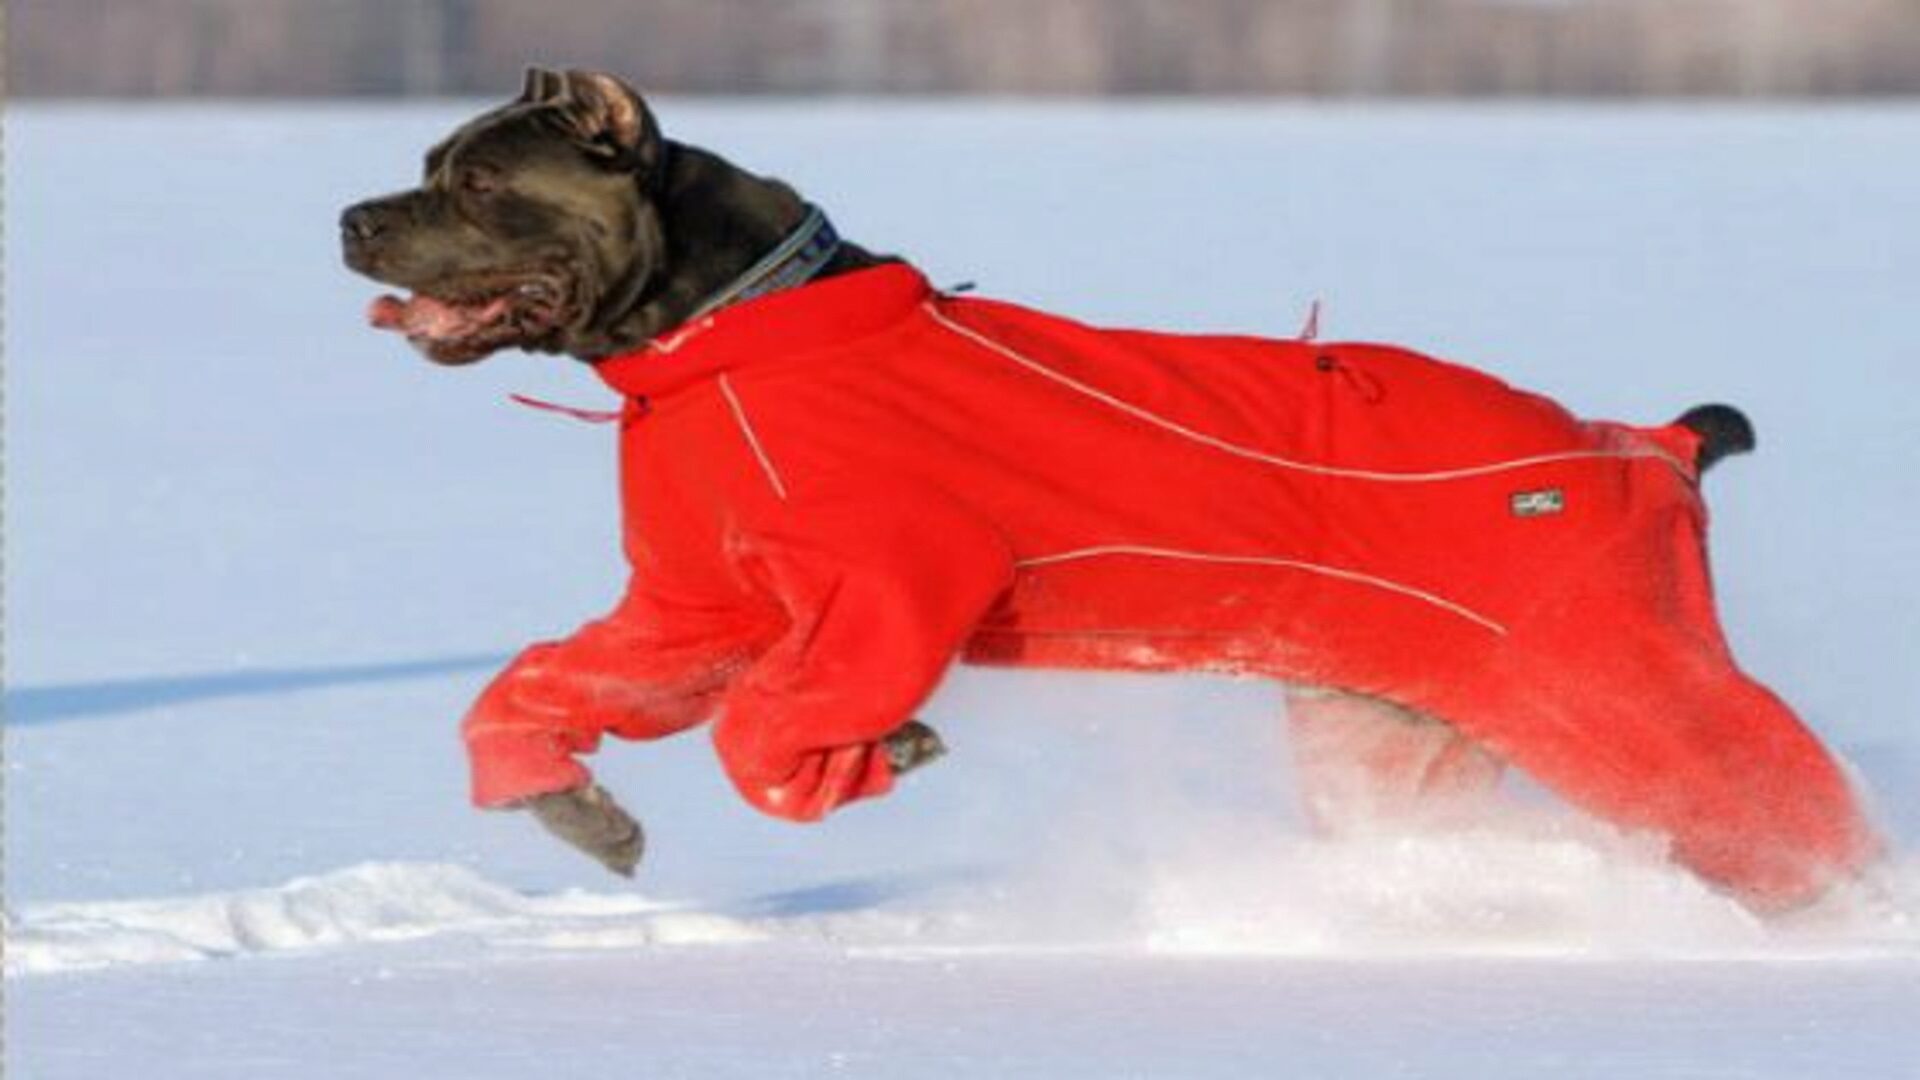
[880, 592]
[555, 701]
[1621, 695]
[1617, 690]
[1363, 764]
[1667, 736]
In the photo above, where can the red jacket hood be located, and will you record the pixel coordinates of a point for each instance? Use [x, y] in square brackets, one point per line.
[773, 328]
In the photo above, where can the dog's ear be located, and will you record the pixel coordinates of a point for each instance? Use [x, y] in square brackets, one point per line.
[609, 117]
[541, 85]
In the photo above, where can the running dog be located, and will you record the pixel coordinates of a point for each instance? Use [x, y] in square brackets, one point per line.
[837, 480]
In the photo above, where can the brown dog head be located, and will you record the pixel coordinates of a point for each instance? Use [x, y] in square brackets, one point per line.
[537, 225]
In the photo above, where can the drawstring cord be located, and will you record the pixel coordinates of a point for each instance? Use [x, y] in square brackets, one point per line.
[1358, 380]
[589, 416]
[1310, 330]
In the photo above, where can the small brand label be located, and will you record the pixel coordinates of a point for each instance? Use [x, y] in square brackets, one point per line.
[1539, 503]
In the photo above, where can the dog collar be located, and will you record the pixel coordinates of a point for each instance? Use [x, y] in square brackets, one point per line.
[808, 248]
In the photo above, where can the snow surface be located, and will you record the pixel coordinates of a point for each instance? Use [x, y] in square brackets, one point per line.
[258, 558]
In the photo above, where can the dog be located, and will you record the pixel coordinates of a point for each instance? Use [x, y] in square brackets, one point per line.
[837, 480]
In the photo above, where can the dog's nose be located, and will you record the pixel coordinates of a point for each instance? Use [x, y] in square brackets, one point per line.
[360, 224]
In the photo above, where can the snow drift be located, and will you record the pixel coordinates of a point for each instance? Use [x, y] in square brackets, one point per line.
[371, 903]
[1552, 888]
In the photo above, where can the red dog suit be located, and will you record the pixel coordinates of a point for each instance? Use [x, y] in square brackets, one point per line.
[831, 492]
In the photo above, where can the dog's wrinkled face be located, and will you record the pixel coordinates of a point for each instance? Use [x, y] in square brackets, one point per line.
[532, 229]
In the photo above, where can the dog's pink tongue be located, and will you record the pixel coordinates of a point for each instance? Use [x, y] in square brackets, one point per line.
[425, 317]
[387, 313]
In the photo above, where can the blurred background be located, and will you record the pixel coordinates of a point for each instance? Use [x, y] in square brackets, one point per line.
[1575, 48]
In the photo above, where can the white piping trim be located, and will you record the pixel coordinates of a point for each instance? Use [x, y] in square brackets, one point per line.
[670, 344]
[1262, 560]
[753, 440]
[1237, 450]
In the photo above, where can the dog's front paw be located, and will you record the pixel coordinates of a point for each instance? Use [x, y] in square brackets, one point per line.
[591, 821]
[914, 744]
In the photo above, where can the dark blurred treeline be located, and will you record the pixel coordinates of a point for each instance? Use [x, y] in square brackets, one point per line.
[1294, 47]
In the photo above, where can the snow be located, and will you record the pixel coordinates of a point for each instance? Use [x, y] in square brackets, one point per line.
[374, 902]
[259, 558]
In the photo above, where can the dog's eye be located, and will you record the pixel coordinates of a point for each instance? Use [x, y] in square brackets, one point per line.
[477, 181]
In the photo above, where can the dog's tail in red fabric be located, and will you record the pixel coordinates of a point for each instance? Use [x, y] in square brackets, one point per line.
[1724, 431]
